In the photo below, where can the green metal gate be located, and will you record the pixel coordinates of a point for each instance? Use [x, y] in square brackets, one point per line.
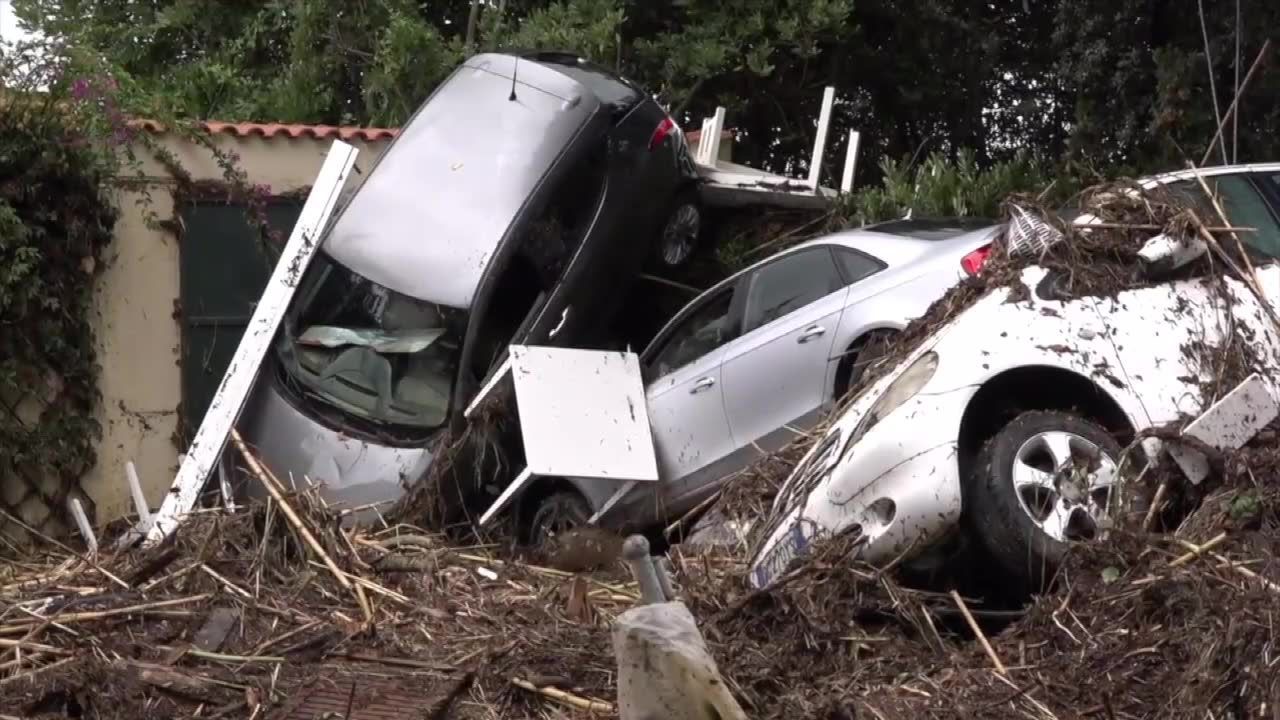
[222, 273]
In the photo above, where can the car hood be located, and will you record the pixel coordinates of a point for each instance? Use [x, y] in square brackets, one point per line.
[436, 207]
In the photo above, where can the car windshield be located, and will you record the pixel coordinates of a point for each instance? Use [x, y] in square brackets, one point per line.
[934, 230]
[372, 352]
[1242, 204]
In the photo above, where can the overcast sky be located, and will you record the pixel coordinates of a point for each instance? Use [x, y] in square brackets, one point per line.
[9, 30]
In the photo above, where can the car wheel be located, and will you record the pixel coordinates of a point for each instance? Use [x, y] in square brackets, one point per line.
[555, 515]
[680, 231]
[1045, 480]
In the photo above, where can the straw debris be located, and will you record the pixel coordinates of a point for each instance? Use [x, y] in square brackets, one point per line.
[273, 610]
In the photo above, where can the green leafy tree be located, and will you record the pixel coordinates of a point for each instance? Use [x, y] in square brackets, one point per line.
[1139, 84]
[1106, 83]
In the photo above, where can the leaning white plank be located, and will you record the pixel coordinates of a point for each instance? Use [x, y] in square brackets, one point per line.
[493, 381]
[622, 491]
[224, 410]
[1228, 424]
[82, 524]
[704, 136]
[139, 498]
[850, 162]
[820, 142]
[710, 143]
[516, 486]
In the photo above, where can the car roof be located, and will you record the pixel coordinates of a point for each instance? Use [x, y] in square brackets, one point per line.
[613, 90]
[1176, 175]
[901, 242]
[920, 239]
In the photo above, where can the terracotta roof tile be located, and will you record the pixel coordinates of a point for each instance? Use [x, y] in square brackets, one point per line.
[272, 130]
[694, 135]
[318, 132]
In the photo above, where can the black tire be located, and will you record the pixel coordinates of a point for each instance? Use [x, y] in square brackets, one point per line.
[680, 231]
[1024, 556]
[556, 513]
[862, 354]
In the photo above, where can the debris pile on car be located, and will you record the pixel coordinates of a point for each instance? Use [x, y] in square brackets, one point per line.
[1100, 251]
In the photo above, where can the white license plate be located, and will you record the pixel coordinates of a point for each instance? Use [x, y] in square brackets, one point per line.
[779, 558]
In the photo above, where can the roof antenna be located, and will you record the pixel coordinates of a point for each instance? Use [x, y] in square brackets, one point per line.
[514, 72]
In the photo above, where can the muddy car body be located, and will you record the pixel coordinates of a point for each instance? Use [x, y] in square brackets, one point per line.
[1004, 426]
[516, 205]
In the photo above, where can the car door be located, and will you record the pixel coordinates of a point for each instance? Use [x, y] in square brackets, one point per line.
[686, 396]
[775, 374]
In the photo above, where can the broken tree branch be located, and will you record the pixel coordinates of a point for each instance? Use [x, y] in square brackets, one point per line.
[101, 614]
[563, 697]
[289, 512]
[1235, 103]
[1197, 550]
[982, 637]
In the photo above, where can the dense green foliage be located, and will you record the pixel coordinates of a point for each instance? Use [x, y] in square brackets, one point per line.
[56, 218]
[66, 149]
[939, 187]
[1098, 82]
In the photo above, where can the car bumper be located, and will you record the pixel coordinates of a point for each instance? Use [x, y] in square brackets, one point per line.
[298, 449]
[900, 484]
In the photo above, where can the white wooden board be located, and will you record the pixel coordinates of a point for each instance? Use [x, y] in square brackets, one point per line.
[230, 398]
[1228, 424]
[583, 413]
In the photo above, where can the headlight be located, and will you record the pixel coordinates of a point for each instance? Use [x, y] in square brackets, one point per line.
[902, 389]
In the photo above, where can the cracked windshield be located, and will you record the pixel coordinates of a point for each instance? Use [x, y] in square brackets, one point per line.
[358, 346]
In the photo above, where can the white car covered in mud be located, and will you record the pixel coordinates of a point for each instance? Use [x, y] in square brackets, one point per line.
[1003, 430]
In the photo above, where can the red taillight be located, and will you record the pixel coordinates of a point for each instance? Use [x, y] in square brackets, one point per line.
[973, 262]
[665, 128]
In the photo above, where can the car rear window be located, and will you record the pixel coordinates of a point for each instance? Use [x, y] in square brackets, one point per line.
[932, 230]
[615, 93]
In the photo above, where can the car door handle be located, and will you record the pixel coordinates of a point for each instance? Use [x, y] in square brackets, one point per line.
[703, 383]
[810, 333]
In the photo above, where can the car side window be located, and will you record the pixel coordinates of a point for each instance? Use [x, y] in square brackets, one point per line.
[555, 234]
[855, 265]
[1244, 206]
[788, 284]
[702, 331]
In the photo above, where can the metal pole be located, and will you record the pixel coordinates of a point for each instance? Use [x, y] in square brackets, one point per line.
[635, 551]
[1213, 87]
[662, 569]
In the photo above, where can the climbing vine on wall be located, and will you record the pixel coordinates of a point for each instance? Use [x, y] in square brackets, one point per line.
[66, 144]
[56, 220]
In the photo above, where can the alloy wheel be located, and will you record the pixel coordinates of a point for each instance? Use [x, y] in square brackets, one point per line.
[1065, 483]
[680, 234]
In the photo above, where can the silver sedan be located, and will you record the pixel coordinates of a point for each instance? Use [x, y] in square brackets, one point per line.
[765, 353]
